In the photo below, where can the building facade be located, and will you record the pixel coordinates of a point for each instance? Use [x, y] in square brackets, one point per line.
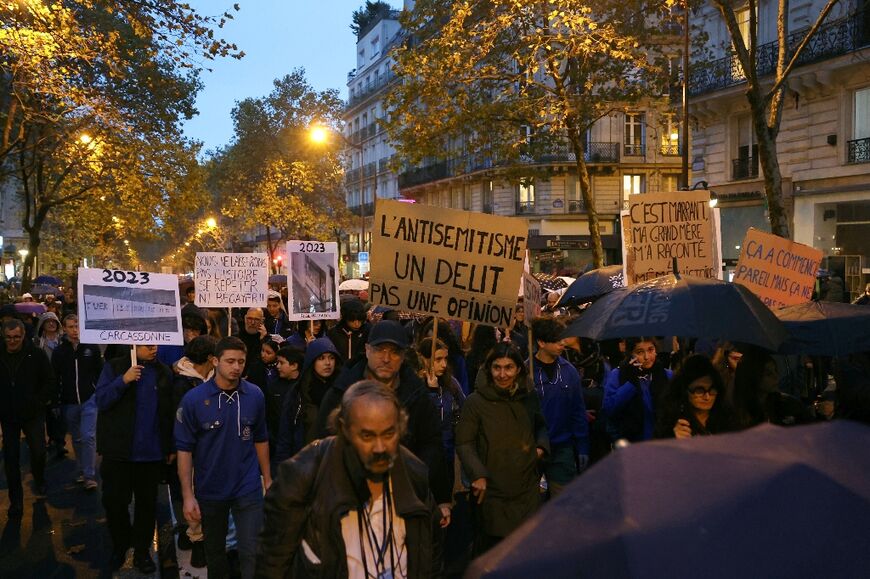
[824, 140]
[368, 150]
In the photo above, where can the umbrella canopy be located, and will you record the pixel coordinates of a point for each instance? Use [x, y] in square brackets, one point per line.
[767, 502]
[30, 308]
[48, 280]
[550, 283]
[351, 285]
[593, 284]
[825, 328]
[278, 279]
[42, 289]
[688, 307]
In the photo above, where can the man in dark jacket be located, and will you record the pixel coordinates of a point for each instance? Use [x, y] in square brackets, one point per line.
[134, 437]
[77, 367]
[385, 362]
[27, 384]
[331, 510]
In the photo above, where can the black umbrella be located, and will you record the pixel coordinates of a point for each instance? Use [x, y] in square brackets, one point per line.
[767, 502]
[278, 279]
[593, 284]
[825, 328]
[48, 280]
[687, 306]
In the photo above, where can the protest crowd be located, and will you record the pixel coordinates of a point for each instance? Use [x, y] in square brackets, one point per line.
[384, 442]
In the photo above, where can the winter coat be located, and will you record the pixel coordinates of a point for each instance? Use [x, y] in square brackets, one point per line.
[496, 439]
[349, 343]
[77, 371]
[40, 340]
[186, 380]
[27, 383]
[115, 423]
[630, 401]
[312, 493]
[423, 436]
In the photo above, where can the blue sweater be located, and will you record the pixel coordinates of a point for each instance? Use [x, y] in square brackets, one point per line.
[562, 404]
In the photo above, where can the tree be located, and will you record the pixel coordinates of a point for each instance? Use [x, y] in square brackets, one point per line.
[90, 91]
[766, 95]
[507, 80]
[363, 16]
[272, 175]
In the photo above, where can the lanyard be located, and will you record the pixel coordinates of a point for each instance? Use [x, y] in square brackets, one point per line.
[378, 550]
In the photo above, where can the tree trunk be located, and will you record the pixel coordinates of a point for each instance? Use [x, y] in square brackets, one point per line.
[588, 200]
[772, 175]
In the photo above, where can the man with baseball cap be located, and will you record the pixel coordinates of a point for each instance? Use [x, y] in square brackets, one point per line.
[385, 362]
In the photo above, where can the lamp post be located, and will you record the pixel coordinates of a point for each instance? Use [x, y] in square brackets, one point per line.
[320, 134]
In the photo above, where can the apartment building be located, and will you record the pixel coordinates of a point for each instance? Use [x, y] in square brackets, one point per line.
[824, 141]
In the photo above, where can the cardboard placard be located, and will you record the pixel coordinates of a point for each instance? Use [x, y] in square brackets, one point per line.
[658, 227]
[312, 281]
[231, 280]
[128, 307]
[779, 271]
[445, 262]
[531, 297]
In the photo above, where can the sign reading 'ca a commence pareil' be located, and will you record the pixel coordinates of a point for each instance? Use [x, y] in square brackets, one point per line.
[444, 262]
[128, 307]
[779, 271]
[661, 227]
[231, 280]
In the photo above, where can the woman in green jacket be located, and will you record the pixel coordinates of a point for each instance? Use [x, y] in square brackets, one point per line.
[500, 438]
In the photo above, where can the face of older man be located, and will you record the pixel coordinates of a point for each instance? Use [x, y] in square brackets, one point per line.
[384, 361]
[373, 431]
[253, 320]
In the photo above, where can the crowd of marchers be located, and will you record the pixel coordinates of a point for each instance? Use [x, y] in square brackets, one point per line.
[380, 445]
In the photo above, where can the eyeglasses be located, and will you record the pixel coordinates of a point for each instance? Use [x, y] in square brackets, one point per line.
[703, 391]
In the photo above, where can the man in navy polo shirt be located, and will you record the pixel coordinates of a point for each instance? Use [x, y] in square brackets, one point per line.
[222, 441]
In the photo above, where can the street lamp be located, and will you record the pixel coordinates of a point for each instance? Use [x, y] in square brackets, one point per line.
[319, 134]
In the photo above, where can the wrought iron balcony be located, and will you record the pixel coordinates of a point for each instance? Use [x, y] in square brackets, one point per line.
[670, 150]
[576, 206]
[833, 39]
[364, 210]
[859, 151]
[525, 207]
[634, 149]
[363, 91]
[744, 168]
[487, 208]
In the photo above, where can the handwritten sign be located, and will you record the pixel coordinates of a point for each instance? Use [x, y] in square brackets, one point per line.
[231, 280]
[658, 227]
[779, 271]
[445, 262]
[531, 297]
[128, 307]
[312, 286]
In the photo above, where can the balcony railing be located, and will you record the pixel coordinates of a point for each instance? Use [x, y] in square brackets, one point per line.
[576, 206]
[366, 209]
[670, 150]
[525, 207]
[487, 207]
[835, 38]
[859, 151]
[744, 168]
[634, 149]
[363, 91]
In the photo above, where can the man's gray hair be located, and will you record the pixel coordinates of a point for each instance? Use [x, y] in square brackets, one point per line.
[11, 325]
[371, 390]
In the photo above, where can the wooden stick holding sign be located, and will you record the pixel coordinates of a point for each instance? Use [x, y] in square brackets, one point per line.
[133, 359]
[229, 322]
[434, 342]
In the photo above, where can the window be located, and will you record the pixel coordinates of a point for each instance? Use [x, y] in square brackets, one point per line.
[526, 197]
[573, 196]
[670, 182]
[859, 146]
[670, 135]
[466, 198]
[488, 189]
[455, 201]
[746, 163]
[376, 48]
[632, 184]
[742, 15]
[634, 133]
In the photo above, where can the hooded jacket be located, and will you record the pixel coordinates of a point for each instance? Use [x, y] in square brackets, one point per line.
[496, 439]
[423, 436]
[312, 493]
[350, 343]
[40, 340]
[186, 379]
[77, 370]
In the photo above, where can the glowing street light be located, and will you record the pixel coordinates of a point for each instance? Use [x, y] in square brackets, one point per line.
[318, 134]
[85, 139]
[211, 222]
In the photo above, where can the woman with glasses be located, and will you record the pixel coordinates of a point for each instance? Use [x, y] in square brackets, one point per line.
[694, 403]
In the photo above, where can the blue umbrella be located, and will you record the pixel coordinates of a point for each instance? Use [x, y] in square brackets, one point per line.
[48, 280]
[685, 306]
[825, 328]
[593, 284]
[767, 502]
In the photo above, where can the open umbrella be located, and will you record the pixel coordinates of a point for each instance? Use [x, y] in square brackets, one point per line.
[278, 279]
[767, 502]
[550, 283]
[34, 308]
[48, 280]
[42, 289]
[350, 285]
[684, 306]
[593, 284]
[825, 328]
